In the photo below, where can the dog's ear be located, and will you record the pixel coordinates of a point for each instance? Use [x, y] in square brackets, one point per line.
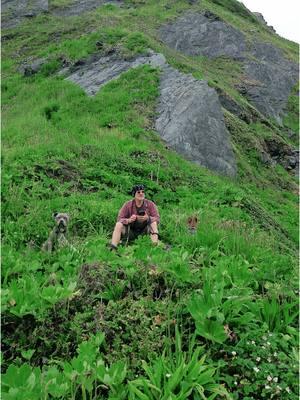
[68, 217]
[54, 215]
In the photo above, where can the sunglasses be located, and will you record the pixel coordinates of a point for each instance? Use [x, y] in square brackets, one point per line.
[140, 191]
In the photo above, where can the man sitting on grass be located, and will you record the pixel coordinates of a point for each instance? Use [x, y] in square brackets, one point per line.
[137, 217]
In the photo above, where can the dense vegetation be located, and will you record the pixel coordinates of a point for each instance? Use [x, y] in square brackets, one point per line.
[210, 315]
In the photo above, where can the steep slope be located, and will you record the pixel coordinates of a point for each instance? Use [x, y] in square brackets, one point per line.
[107, 97]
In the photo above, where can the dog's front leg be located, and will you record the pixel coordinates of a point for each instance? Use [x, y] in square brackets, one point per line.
[48, 245]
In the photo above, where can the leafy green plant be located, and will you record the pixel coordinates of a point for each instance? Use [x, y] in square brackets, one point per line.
[277, 317]
[177, 375]
[82, 374]
[262, 364]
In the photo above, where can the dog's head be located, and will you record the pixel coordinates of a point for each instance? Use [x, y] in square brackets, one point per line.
[61, 220]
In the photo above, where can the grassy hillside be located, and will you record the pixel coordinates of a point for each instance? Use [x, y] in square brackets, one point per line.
[210, 315]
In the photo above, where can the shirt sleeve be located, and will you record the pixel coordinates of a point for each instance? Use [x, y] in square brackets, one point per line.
[124, 214]
[153, 212]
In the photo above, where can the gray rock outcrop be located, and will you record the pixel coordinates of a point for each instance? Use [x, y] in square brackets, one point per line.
[203, 34]
[262, 20]
[31, 68]
[98, 71]
[190, 121]
[268, 75]
[14, 11]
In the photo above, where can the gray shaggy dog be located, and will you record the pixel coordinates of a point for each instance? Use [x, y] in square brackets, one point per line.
[58, 236]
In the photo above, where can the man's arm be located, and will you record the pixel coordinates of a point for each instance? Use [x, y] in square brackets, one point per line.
[153, 213]
[125, 216]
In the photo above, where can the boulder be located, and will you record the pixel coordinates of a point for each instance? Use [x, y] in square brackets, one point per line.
[29, 68]
[283, 154]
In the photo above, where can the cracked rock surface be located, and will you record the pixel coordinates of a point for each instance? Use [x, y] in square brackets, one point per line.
[191, 122]
[203, 34]
[14, 11]
[268, 75]
[97, 72]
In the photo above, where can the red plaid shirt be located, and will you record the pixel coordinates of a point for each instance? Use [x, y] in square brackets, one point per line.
[130, 209]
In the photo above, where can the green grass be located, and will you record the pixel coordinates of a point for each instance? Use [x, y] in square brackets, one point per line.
[65, 151]
[291, 119]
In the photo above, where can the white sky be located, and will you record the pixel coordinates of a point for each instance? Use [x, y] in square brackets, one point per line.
[284, 16]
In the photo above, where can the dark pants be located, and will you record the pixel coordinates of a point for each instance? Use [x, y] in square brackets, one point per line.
[132, 231]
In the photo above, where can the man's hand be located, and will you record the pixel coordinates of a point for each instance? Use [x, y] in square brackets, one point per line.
[142, 218]
[131, 219]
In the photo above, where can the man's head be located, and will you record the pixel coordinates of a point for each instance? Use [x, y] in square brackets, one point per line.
[138, 192]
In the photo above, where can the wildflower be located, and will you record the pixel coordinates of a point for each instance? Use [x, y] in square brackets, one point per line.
[269, 359]
[275, 354]
[288, 389]
[258, 359]
[235, 382]
[264, 338]
[268, 344]
[275, 379]
[233, 353]
[270, 334]
[269, 378]
[252, 342]
[263, 347]
[168, 375]
[267, 387]
[256, 369]
[278, 387]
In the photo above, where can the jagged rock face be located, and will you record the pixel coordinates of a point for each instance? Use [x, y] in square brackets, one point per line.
[269, 76]
[191, 122]
[95, 73]
[261, 19]
[277, 152]
[16, 10]
[203, 34]
[270, 80]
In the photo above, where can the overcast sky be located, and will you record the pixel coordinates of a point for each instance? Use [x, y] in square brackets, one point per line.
[284, 16]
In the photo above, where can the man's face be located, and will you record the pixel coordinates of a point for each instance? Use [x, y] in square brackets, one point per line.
[139, 195]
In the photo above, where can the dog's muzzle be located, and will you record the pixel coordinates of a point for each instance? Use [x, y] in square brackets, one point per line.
[62, 226]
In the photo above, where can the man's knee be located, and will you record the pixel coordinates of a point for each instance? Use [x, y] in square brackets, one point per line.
[119, 227]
